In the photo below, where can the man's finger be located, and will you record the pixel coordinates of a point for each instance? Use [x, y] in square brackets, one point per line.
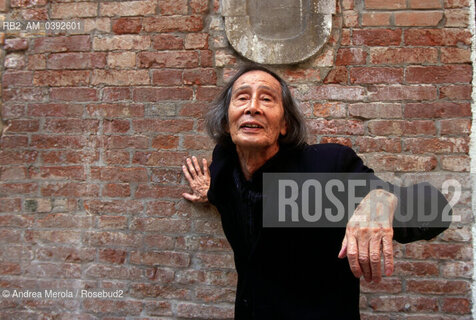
[193, 173]
[388, 254]
[196, 165]
[343, 249]
[375, 264]
[205, 167]
[364, 261]
[353, 256]
[187, 174]
[190, 197]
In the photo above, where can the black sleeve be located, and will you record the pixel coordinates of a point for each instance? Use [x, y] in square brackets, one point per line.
[422, 212]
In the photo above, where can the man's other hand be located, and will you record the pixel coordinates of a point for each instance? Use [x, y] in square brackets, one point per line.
[369, 232]
[198, 179]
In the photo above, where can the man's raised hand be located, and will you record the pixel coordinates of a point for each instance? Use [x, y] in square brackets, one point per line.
[198, 179]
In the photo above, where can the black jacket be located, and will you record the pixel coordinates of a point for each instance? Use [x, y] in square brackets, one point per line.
[288, 273]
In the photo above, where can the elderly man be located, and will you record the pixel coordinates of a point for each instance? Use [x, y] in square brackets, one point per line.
[287, 273]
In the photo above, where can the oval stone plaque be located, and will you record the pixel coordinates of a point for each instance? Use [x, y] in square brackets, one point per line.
[278, 31]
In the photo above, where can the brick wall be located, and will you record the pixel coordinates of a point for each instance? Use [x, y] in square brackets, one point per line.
[96, 125]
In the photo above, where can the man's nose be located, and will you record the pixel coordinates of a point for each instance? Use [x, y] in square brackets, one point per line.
[254, 106]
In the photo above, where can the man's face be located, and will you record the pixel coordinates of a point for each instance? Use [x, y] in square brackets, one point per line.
[256, 113]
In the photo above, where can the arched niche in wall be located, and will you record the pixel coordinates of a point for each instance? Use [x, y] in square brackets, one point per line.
[278, 31]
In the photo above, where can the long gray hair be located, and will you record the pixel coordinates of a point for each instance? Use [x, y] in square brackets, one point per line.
[217, 116]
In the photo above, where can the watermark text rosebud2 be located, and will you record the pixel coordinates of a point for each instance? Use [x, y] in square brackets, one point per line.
[329, 200]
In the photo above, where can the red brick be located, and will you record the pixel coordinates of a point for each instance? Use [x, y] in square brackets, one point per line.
[418, 18]
[165, 142]
[177, 7]
[66, 254]
[199, 6]
[376, 19]
[113, 206]
[73, 10]
[455, 126]
[425, 4]
[53, 236]
[17, 79]
[192, 310]
[207, 93]
[375, 110]
[116, 157]
[166, 77]
[167, 42]
[457, 18]
[55, 142]
[116, 126]
[121, 42]
[55, 110]
[173, 24]
[404, 163]
[455, 163]
[61, 78]
[17, 157]
[15, 44]
[122, 174]
[329, 109]
[437, 110]
[105, 238]
[438, 251]
[439, 74]
[25, 94]
[215, 295]
[116, 190]
[127, 25]
[157, 241]
[136, 8]
[113, 256]
[352, 127]
[339, 140]
[196, 41]
[419, 127]
[301, 75]
[457, 92]
[58, 173]
[386, 127]
[60, 220]
[3, 5]
[331, 92]
[350, 18]
[456, 3]
[382, 4]
[158, 94]
[195, 142]
[162, 225]
[61, 44]
[392, 93]
[199, 76]
[120, 77]
[71, 126]
[457, 269]
[36, 62]
[350, 56]
[164, 258]
[337, 75]
[83, 60]
[158, 191]
[166, 176]
[403, 304]
[437, 37]
[112, 306]
[378, 144]
[403, 55]
[116, 94]
[215, 260]
[436, 145]
[70, 189]
[455, 55]
[456, 305]
[35, 14]
[10, 205]
[438, 286]
[377, 37]
[74, 94]
[115, 110]
[373, 75]
[176, 59]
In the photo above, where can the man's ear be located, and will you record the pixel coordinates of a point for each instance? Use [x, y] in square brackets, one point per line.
[284, 129]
